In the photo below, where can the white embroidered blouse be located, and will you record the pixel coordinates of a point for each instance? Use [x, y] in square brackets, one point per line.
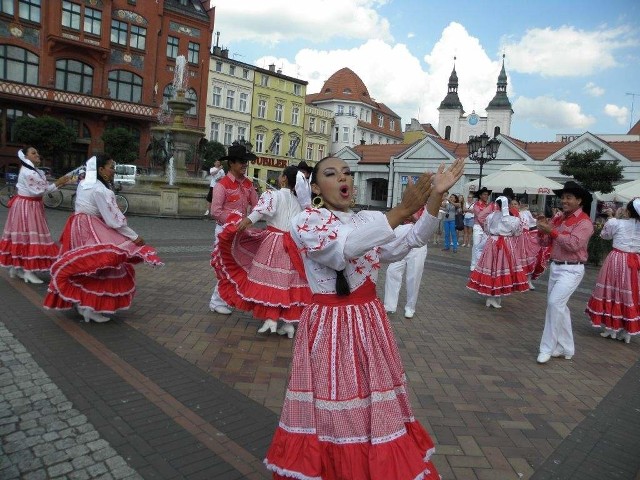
[354, 242]
[99, 201]
[625, 233]
[33, 183]
[277, 208]
[505, 226]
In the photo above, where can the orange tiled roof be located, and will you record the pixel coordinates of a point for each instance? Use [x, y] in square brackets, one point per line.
[380, 154]
[631, 150]
[427, 127]
[538, 150]
[635, 130]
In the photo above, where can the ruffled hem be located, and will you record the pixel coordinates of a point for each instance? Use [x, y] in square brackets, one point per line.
[29, 256]
[614, 315]
[305, 457]
[542, 260]
[497, 286]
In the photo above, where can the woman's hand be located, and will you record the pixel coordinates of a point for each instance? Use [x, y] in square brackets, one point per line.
[444, 179]
[244, 223]
[139, 241]
[62, 181]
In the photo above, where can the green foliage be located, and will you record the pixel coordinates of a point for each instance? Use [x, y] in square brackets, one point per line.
[49, 135]
[594, 174]
[210, 152]
[120, 145]
[598, 248]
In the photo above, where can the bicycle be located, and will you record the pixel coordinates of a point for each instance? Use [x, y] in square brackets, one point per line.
[121, 200]
[9, 190]
[52, 199]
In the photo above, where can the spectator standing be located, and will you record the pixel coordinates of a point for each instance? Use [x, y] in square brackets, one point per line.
[216, 173]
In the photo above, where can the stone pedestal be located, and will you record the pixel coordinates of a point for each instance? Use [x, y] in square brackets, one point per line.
[169, 200]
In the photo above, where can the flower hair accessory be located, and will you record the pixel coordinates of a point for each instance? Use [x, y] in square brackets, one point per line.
[636, 204]
[91, 174]
[22, 156]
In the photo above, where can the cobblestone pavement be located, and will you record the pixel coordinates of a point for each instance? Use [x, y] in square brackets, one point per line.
[180, 392]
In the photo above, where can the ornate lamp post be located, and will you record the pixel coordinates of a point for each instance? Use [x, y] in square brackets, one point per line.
[482, 150]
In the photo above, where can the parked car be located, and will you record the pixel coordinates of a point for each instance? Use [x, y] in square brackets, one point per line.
[125, 174]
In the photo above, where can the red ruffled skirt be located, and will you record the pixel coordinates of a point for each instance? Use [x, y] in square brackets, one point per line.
[525, 248]
[256, 273]
[497, 272]
[614, 300]
[346, 413]
[26, 241]
[95, 268]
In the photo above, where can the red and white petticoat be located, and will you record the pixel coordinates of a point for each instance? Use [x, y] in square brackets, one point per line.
[497, 272]
[26, 241]
[255, 272]
[95, 269]
[346, 413]
[542, 261]
[614, 300]
[525, 249]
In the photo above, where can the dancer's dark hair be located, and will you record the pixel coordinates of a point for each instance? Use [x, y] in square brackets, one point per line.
[632, 211]
[101, 160]
[290, 173]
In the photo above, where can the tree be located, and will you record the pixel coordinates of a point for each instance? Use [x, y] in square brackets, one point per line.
[594, 174]
[49, 135]
[210, 152]
[121, 145]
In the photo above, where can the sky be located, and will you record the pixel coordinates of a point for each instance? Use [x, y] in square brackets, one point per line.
[571, 65]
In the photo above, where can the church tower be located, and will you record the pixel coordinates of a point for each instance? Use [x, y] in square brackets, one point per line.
[499, 111]
[451, 110]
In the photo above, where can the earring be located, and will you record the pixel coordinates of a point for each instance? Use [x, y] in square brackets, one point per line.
[353, 202]
[317, 202]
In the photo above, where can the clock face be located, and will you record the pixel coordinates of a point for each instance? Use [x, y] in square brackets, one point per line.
[472, 119]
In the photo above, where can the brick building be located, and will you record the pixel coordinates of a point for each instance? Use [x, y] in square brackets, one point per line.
[96, 64]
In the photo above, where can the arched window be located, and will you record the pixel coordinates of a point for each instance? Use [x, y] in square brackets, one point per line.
[125, 86]
[447, 133]
[496, 132]
[74, 76]
[192, 96]
[167, 93]
[18, 65]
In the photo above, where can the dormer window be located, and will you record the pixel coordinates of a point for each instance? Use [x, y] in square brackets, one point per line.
[347, 91]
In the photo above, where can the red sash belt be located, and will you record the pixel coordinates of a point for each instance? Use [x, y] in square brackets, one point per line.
[292, 250]
[365, 293]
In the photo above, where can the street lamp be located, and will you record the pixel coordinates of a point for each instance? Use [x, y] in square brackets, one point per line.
[482, 150]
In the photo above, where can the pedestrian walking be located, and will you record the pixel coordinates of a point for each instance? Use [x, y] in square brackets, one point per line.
[233, 193]
[26, 246]
[568, 232]
[615, 301]
[253, 265]
[216, 173]
[346, 412]
[94, 271]
[303, 187]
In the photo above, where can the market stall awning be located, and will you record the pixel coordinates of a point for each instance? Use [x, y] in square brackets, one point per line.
[520, 178]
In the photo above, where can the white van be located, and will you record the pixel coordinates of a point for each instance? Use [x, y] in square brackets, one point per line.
[126, 174]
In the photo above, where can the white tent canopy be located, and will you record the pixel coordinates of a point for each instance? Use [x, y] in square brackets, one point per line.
[623, 193]
[520, 178]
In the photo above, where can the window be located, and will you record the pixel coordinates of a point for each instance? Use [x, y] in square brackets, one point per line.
[12, 116]
[125, 86]
[18, 65]
[345, 134]
[192, 96]
[361, 113]
[232, 70]
[279, 110]
[218, 66]
[379, 189]
[340, 109]
[244, 98]
[245, 73]
[264, 81]
[92, 21]
[380, 120]
[295, 114]
[217, 96]
[323, 126]
[276, 145]
[74, 76]
[71, 15]
[496, 132]
[193, 55]
[337, 133]
[29, 10]
[6, 6]
[297, 89]
[215, 132]
[352, 110]
[260, 142]
[309, 151]
[242, 132]
[138, 37]
[320, 152]
[312, 124]
[262, 108]
[119, 32]
[447, 132]
[392, 124]
[230, 99]
[367, 114]
[167, 94]
[371, 139]
[228, 134]
[172, 47]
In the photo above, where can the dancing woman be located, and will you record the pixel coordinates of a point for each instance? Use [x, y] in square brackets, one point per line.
[94, 271]
[254, 274]
[615, 300]
[346, 412]
[26, 245]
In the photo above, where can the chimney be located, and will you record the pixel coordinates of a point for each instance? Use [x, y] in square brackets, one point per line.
[224, 53]
[272, 67]
[279, 70]
[217, 51]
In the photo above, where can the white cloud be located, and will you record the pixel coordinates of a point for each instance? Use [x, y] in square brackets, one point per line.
[411, 35]
[593, 89]
[619, 114]
[548, 112]
[567, 51]
[273, 21]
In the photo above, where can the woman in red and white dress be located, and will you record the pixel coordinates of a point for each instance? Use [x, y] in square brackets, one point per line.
[346, 412]
[94, 271]
[615, 300]
[527, 245]
[498, 272]
[26, 245]
[254, 272]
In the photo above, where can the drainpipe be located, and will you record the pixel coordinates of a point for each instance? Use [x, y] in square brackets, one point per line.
[391, 183]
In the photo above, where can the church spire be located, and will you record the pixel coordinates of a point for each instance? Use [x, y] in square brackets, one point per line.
[451, 101]
[500, 100]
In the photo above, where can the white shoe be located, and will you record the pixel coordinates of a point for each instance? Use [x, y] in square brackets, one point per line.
[625, 337]
[409, 313]
[270, 325]
[89, 315]
[287, 329]
[15, 272]
[30, 277]
[543, 358]
[560, 353]
[493, 302]
[222, 310]
[206, 213]
[531, 287]
[608, 332]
